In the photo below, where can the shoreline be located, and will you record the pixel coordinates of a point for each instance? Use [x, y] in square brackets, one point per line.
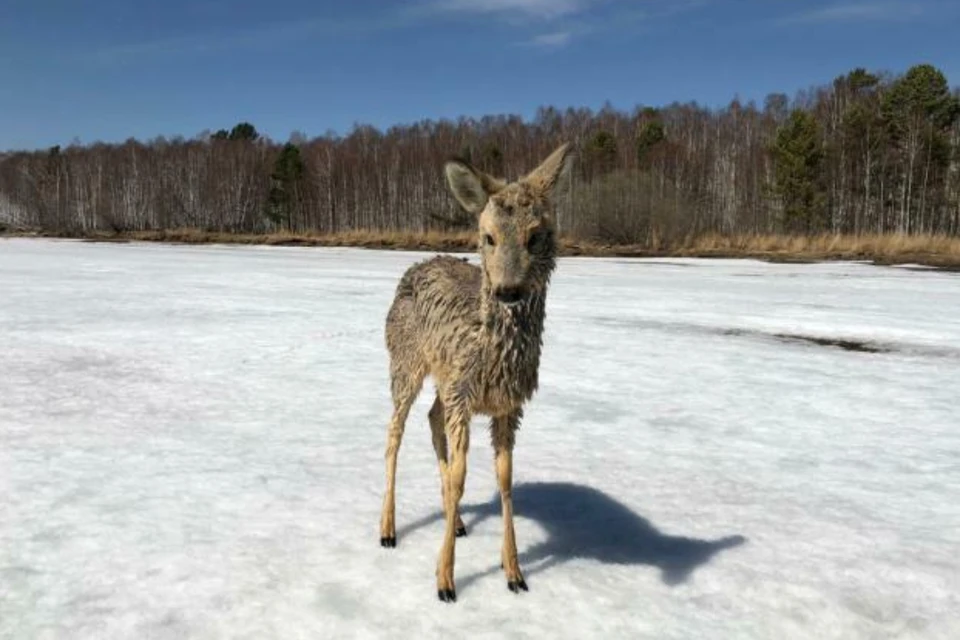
[936, 252]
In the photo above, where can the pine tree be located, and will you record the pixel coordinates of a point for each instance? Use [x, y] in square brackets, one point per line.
[798, 155]
[285, 180]
[651, 134]
[244, 131]
[918, 112]
[601, 152]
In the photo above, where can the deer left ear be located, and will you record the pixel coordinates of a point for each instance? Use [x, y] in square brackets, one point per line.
[470, 186]
[545, 177]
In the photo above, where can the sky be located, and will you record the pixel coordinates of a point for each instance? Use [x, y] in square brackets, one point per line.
[107, 70]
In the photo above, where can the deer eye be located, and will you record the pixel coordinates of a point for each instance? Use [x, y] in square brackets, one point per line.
[488, 240]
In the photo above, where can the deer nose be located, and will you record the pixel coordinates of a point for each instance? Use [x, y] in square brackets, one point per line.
[509, 295]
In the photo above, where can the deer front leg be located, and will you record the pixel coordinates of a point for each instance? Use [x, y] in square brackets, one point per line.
[458, 437]
[504, 433]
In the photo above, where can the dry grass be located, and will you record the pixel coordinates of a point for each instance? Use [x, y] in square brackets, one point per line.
[371, 239]
[885, 249]
[406, 240]
[932, 250]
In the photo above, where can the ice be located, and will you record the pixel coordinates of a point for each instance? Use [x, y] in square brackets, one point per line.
[192, 438]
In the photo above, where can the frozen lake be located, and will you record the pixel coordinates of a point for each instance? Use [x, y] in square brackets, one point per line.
[191, 446]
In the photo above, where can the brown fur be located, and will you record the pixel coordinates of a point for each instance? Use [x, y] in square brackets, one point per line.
[478, 332]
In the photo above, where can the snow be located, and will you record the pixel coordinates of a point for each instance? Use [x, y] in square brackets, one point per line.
[191, 446]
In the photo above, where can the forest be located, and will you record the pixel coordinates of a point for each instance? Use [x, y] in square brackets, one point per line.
[867, 153]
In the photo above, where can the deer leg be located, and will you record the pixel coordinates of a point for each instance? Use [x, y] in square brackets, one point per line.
[503, 431]
[403, 397]
[440, 447]
[458, 435]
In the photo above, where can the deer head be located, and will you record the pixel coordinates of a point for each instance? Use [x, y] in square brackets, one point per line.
[517, 242]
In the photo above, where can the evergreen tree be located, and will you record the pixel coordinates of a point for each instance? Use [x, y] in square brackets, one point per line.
[244, 131]
[601, 152]
[798, 154]
[918, 112]
[284, 182]
[921, 98]
[651, 134]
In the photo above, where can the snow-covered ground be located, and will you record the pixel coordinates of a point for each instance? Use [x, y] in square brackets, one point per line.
[191, 446]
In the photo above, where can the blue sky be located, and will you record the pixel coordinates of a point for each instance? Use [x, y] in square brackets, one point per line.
[111, 69]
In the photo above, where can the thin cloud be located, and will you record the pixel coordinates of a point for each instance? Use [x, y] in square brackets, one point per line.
[581, 19]
[553, 40]
[549, 9]
[858, 12]
[570, 20]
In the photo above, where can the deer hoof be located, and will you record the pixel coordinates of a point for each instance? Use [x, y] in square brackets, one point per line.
[447, 595]
[517, 585]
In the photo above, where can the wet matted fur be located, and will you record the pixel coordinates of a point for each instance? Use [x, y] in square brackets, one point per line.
[478, 331]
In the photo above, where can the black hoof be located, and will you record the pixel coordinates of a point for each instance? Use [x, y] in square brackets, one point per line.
[447, 595]
[517, 585]
[388, 543]
[461, 532]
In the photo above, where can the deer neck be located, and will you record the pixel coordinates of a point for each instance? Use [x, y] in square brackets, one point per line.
[513, 338]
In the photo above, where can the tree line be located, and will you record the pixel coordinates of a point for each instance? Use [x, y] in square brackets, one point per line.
[866, 153]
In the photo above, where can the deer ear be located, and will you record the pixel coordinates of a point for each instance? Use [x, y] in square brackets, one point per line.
[545, 177]
[470, 186]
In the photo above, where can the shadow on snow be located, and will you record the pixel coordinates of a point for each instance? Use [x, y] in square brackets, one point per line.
[582, 522]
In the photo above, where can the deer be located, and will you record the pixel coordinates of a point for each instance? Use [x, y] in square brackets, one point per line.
[477, 331]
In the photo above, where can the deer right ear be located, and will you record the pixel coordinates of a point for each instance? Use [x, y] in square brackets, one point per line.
[471, 187]
[545, 177]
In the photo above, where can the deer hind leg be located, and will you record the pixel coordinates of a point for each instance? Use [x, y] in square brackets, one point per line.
[457, 423]
[440, 447]
[503, 432]
[404, 388]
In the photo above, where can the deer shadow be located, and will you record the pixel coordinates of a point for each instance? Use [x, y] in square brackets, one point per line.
[583, 523]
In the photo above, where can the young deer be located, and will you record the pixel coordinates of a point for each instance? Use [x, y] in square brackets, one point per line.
[478, 332]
